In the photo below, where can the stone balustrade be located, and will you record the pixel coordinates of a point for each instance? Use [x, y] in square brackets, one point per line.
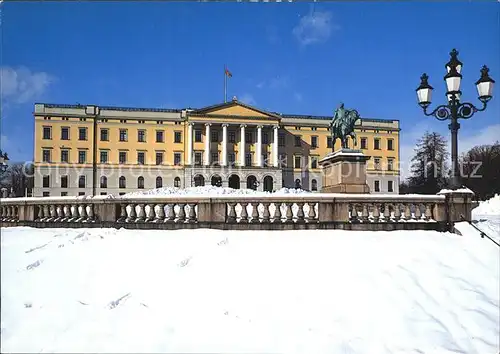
[273, 212]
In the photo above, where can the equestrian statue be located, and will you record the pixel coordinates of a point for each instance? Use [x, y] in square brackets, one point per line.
[342, 126]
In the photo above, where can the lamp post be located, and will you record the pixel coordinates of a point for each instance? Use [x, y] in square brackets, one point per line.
[454, 109]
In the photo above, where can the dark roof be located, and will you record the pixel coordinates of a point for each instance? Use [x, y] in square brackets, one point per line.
[129, 109]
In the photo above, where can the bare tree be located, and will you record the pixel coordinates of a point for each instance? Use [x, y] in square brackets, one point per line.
[17, 178]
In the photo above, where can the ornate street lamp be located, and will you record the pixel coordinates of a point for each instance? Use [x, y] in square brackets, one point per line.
[455, 109]
[3, 165]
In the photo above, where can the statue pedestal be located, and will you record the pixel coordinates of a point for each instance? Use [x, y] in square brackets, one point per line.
[344, 171]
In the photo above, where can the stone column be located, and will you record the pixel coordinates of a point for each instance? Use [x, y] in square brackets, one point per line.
[224, 145]
[242, 145]
[259, 146]
[207, 144]
[275, 147]
[190, 144]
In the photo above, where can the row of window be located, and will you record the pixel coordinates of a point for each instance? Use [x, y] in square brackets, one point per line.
[215, 137]
[103, 183]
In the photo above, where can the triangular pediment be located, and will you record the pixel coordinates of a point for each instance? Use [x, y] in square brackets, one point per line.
[235, 108]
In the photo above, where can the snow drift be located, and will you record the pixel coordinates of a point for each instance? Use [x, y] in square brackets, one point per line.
[212, 190]
[106, 290]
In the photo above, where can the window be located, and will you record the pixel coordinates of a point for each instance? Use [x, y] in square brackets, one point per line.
[46, 182]
[123, 135]
[197, 136]
[390, 144]
[214, 157]
[214, 136]
[197, 158]
[363, 143]
[281, 139]
[122, 157]
[377, 143]
[329, 142]
[104, 156]
[298, 139]
[390, 186]
[104, 182]
[159, 182]
[64, 181]
[376, 163]
[141, 135]
[159, 158]
[177, 158]
[177, 137]
[314, 185]
[297, 162]
[64, 133]
[46, 155]
[46, 194]
[390, 164]
[314, 142]
[297, 128]
[82, 133]
[47, 133]
[81, 182]
[248, 137]
[104, 193]
[232, 136]
[104, 134]
[81, 193]
[314, 162]
[64, 194]
[64, 155]
[140, 182]
[140, 157]
[159, 136]
[122, 182]
[265, 138]
[177, 182]
[82, 156]
[377, 186]
[248, 159]
[231, 158]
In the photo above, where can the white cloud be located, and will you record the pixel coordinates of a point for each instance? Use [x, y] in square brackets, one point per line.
[21, 85]
[278, 82]
[316, 27]
[487, 135]
[248, 99]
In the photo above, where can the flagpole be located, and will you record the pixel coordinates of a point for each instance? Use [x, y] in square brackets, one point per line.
[225, 83]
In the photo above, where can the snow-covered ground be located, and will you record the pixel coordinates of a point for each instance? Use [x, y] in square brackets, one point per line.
[106, 290]
[213, 191]
[487, 215]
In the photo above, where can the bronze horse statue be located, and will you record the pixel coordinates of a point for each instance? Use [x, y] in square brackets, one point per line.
[342, 126]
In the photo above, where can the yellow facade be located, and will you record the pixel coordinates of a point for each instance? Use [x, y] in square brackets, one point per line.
[142, 125]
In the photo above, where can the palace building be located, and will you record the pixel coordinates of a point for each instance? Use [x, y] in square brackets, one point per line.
[99, 150]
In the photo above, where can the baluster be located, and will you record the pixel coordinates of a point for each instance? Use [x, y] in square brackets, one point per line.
[73, 213]
[231, 216]
[266, 216]
[123, 213]
[300, 212]
[170, 213]
[46, 212]
[353, 217]
[311, 215]
[397, 212]
[150, 216]
[289, 212]
[141, 215]
[16, 213]
[192, 213]
[58, 209]
[83, 213]
[428, 212]
[277, 213]
[376, 212]
[10, 209]
[160, 214]
[408, 214]
[418, 212]
[7, 213]
[244, 213]
[2, 215]
[365, 214]
[132, 215]
[255, 212]
[91, 214]
[387, 212]
[182, 213]
[52, 213]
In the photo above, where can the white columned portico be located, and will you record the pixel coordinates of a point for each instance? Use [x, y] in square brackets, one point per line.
[242, 145]
[207, 144]
[259, 146]
[275, 146]
[224, 145]
[190, 144]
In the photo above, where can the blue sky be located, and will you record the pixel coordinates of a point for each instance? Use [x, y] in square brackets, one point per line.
[301, 58]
